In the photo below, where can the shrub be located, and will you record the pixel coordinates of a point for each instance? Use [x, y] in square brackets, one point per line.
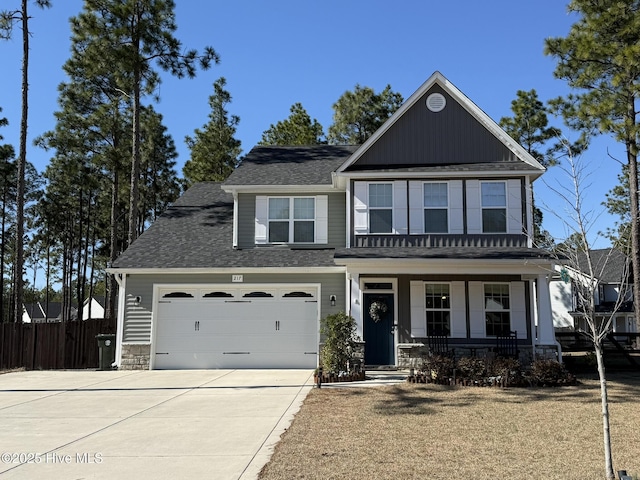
[508, 369]
[340, 342]
[438, 367]
[472, 368]
[550, 372]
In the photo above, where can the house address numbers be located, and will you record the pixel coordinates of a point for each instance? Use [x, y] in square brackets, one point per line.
[237, 278]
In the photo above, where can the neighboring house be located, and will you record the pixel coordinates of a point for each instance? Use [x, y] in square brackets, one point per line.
[612, 271]
[38, 313]
[32, 313]
[93, 308]
[421, 230]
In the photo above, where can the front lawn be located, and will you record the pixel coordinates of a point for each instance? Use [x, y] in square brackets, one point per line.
[436, 432]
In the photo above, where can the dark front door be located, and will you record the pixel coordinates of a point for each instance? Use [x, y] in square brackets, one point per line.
[378, 328]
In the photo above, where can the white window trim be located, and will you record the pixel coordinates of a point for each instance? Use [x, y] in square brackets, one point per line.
[447, 208]
[485, 310]
[505, 207]
[291, 220]
[392, 207]
[321, 220]
[427, 309]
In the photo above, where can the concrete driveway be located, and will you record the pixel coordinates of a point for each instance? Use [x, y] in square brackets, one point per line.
[219, 424]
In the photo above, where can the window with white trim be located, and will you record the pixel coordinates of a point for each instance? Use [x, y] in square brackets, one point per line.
[436, 207]
[291, 220]
[497, 309]
[380, 208]
[494, 207]
[438, 308]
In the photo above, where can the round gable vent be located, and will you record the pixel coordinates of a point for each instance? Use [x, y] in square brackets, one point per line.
[436, 102]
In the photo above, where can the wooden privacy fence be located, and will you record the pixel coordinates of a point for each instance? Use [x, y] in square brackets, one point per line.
[49, 346]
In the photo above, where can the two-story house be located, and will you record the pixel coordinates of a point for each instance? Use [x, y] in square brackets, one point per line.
[612, 288]
[423, 230]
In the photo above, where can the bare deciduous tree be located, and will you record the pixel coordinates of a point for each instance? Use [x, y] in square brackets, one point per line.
[584, 270]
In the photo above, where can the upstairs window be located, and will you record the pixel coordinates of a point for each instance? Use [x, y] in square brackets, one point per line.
[436, 208]
[380, 208]
[291, 220]
[494, 207]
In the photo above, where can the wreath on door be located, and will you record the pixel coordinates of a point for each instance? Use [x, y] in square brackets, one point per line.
[377, 309]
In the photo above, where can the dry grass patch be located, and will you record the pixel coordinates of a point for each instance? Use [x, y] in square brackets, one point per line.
[434, 432]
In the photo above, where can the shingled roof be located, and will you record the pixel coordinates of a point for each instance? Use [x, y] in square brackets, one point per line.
[300, 165]
[197, 232]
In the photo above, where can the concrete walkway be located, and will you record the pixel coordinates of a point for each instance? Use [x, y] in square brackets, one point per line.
[219, 424]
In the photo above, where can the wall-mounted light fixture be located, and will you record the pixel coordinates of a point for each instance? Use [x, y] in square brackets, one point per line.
[332, 299]
[137, 299]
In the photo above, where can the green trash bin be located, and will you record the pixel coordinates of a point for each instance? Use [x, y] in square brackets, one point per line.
[106, 350]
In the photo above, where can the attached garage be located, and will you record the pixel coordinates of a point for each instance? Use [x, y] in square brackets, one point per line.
[235, 326]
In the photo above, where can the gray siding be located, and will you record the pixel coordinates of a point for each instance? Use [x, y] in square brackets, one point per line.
[404, 303]
[422, 137]
[137, 320]
[247, 215]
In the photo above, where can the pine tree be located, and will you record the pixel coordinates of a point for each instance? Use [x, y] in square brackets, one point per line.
[599, 59]
[215, 152]
[297, 129]
[130, 37]
[358, 114]
[7, 20]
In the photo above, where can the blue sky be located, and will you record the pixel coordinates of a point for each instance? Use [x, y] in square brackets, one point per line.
[277, 53]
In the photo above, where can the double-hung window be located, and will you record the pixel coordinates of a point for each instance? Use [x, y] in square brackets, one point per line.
[380, 208]
[291, 220]
[436, 207]
[438, 308]
[497, 308]
[494, 207]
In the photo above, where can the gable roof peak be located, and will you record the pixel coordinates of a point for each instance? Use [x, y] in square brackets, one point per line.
[437, 78]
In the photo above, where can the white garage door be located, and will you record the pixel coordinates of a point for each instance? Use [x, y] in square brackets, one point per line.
[232, 327]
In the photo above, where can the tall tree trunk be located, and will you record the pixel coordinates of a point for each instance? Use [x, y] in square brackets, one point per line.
[111, 287]
[606, 437]
[3, 244]
[22, 159]
[135, 163]
[632, 161]
[48, 280]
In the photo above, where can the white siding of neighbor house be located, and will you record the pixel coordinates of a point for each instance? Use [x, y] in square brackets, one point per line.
[561, 304]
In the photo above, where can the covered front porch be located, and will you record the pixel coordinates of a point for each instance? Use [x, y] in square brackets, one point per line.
[425, 300]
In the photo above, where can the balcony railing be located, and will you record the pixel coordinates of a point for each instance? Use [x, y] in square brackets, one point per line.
[434, 241]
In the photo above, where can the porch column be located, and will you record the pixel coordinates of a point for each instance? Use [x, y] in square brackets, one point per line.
[546, 333]
[356, 308]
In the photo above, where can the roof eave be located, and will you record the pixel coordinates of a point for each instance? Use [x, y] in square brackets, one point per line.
[321, 188]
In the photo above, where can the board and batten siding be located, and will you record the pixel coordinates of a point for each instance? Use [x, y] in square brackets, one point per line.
[423, 137]
[336, 221]
[138, 318]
